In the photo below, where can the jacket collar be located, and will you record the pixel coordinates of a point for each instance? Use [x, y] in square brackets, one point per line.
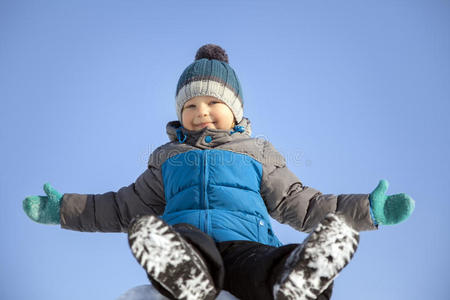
[207, 138]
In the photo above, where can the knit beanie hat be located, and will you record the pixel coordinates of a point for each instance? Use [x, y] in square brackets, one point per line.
[210, 75]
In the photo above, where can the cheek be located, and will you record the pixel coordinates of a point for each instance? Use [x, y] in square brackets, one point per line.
[230, 116]
[184, 115]
[184, 118]
[227, 118]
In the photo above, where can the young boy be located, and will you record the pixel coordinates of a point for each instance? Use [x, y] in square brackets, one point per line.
[198, 217]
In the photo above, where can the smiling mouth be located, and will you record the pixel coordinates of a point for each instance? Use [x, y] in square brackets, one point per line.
[202, 125]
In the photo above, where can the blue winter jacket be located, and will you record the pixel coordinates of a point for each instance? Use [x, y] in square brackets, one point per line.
[218, 191]
[224, 182]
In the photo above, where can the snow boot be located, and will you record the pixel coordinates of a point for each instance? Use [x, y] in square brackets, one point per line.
[312, 266]
[170, 260]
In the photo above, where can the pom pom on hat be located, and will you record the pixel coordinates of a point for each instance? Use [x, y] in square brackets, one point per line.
[211, 51]
[210, 75]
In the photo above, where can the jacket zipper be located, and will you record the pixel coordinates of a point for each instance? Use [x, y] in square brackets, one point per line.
[205, 195]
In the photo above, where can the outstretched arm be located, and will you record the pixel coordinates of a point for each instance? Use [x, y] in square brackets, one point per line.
[289, 201]
[108, 212]
[302, 207]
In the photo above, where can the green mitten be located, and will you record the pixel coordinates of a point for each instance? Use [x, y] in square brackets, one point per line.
[389, 210]
[44, 209]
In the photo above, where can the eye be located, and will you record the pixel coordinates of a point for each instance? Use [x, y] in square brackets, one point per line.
[189, 106]
[215, 102]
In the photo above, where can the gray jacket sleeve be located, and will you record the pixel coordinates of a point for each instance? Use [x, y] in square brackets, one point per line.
[289, 201]
[113, 211]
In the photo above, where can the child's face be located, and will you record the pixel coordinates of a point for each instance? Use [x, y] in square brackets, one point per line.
[206, 111]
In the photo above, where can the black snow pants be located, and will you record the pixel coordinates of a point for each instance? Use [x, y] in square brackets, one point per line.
[246, 269]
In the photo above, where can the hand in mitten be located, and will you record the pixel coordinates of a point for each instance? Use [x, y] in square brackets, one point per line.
[44, 209]
[389, 210]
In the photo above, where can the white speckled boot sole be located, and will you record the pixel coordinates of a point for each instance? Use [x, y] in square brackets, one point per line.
[312, 266]
[170, 260]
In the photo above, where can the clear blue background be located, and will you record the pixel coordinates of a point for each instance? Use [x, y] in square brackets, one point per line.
[349, 91]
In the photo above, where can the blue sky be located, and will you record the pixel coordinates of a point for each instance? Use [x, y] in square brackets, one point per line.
[349, 91]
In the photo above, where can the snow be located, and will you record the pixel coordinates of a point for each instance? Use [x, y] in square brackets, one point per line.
[145, 292]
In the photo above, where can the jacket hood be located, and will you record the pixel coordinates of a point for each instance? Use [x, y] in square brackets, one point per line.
[212, 137]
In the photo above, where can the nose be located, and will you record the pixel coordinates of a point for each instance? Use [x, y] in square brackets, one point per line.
[203, 110]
